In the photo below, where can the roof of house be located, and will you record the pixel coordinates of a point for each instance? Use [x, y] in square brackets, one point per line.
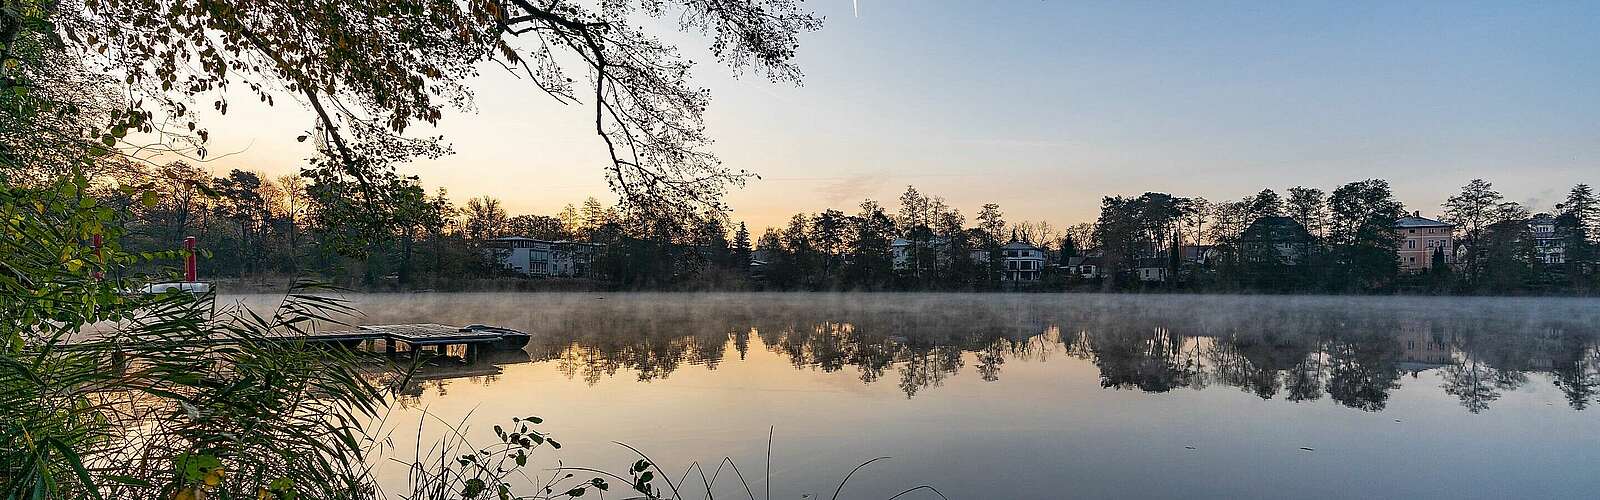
[1084, 261]
[1192, 252]
[1275, 228]
[935, 241]
[1153, 262]
[1019, 245]
[1415, 220]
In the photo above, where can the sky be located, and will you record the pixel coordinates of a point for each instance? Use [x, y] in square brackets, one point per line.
[1044, 107]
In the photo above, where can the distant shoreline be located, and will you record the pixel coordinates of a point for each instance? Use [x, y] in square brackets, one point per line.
[281, 284]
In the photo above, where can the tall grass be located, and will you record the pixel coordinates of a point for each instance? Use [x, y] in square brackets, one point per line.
[105, 394]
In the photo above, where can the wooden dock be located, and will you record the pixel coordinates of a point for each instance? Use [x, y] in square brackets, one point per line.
[414, 337]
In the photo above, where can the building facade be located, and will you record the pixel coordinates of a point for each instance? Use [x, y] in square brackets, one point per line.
[1276, 239]
[1085, 267]
[1154, 269]
[1548, 246]
[520, 255]
[936, 253]
[572, 259]
[540, 258]
[1022, 261]
[1421, 238]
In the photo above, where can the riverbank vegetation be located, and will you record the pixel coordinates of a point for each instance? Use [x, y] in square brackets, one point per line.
[110, 393]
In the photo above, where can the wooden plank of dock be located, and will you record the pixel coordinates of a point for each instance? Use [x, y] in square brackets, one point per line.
[415, 335]
[433, 334]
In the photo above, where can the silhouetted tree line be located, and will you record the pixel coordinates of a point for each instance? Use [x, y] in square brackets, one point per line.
[252, 226]
[1343, 241]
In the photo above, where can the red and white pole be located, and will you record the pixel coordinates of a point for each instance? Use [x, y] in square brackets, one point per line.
[189, 273]
[98, 260]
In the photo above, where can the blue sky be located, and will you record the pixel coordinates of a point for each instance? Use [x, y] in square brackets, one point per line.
[1045, 106]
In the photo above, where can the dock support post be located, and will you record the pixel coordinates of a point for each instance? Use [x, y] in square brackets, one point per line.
[388, 347]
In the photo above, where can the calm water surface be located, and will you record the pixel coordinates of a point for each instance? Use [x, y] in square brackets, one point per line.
[1040, 396]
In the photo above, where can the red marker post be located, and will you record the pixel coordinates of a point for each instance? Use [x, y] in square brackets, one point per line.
[189, 273]
[98, 260]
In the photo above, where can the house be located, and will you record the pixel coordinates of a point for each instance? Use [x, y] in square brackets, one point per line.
[540, 258]
[1087, 267]
[1421, 237]
[759, 260]
[573, 259]
[1153, 269]
[1200, 255]
[903, 254]
[1547, 244]
[520, 255]
[1276, 239]
[1022, 261]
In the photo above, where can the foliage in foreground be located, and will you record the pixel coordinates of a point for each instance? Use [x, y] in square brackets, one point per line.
[109, 394]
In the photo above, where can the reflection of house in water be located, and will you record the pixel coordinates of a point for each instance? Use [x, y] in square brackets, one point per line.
[1422, 349]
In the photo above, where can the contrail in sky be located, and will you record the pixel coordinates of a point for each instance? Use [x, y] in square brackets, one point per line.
[857, 5]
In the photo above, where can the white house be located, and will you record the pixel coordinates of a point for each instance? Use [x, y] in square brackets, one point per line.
[1023, 261]
[900, 250]
[938, 248]
[1086, 267]
[572, 259]
[1154, 269]
[521, 255]
[531, 257]
[1546, 243]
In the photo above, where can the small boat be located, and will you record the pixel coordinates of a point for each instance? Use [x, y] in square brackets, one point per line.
[195, 287]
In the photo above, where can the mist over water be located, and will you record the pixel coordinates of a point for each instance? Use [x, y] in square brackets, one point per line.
[1042, 395]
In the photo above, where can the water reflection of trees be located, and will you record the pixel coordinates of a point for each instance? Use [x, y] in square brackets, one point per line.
[1357, 357]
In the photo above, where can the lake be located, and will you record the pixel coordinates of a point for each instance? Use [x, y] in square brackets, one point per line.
[1035, 395]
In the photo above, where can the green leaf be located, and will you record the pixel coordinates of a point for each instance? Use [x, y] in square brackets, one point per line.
[77, 467]
[195, 466]
[128, 480]
[473, 488]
